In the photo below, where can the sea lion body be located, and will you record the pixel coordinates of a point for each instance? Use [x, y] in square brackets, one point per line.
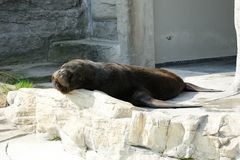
[139, 85]
[123, 80]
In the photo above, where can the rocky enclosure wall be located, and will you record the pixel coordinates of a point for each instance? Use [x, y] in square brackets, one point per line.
[29, 30]
[28, 27]
[96, 126]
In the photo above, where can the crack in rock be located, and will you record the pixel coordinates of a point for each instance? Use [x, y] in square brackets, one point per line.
[14, 137]
[6, 151]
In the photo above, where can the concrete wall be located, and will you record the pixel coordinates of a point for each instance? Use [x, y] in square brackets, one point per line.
[136, 31]
[28, 27]
[193, 29]
[104, 19]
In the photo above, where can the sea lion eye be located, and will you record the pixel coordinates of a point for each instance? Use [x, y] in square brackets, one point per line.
[70, 76]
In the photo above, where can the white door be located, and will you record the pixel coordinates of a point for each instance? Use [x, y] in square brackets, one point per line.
[193, 29]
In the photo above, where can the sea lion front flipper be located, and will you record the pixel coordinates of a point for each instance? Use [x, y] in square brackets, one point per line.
[143, 98]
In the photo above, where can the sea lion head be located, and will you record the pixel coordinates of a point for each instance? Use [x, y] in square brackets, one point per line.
[60, 80]
[72, 75]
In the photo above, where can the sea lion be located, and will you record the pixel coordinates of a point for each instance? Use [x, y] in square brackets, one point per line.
[141, 86]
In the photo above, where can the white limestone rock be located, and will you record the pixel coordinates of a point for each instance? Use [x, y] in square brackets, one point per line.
[91, 132]
[47, 110]
[11, 97]
[194, 134]
[4, 89]
[53, 109]
[94, 125]
[3, 101]
[149, 129]
[101, 104]
[22, 110]
[128, 153]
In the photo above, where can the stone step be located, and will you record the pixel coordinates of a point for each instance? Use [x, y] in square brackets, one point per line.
[36, 72]
[93, 49]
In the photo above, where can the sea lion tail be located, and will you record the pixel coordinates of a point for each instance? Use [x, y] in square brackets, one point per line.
[194, 88]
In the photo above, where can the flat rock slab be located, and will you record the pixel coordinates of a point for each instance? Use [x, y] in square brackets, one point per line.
[31, 147]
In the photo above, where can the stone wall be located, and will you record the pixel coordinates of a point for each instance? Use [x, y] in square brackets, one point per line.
[101, 43]
[104, 19]
[31, 30]
[27, 27]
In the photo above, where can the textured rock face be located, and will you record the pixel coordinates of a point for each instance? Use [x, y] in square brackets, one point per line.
[28, 27]
[30, 30]
[4, 88]
[104, 9]
[95, 50]
[96, 126]
[104, 15]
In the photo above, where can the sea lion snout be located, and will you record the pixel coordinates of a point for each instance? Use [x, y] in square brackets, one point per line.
[60, 80]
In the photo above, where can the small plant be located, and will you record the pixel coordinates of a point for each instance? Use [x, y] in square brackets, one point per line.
[23, 84]
[10, 82]
[55, 139]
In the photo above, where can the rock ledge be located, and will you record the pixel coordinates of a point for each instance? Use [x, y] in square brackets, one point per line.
[94, 125]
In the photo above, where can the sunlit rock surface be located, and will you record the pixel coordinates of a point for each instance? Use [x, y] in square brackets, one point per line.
[94, 125]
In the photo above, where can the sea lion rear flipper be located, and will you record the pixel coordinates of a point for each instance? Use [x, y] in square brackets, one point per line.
[194, 88]
[143, 98]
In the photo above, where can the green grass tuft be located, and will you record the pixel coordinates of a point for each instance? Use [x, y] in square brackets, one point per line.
[11, 82]
[23, 84]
